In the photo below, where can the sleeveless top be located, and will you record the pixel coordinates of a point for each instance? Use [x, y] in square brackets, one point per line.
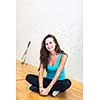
[51, 70]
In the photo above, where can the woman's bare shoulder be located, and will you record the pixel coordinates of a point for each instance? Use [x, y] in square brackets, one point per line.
[65, 56]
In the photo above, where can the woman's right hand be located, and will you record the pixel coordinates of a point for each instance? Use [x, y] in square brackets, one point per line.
[41, 90]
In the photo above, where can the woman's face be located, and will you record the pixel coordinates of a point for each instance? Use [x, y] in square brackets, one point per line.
[50, 44]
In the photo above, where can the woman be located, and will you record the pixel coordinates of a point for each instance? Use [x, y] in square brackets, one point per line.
[53, 59]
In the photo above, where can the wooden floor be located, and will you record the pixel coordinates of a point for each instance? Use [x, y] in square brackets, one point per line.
[75, 92]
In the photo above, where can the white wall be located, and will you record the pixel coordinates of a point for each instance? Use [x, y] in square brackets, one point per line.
[63, 18]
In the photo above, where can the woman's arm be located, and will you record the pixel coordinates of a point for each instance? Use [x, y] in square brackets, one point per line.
[59, 70]
[41, 77]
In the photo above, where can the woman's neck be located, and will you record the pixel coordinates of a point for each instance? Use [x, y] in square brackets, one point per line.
[53, 53]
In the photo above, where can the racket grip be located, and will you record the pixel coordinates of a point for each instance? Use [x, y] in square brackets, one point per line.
[29, 44]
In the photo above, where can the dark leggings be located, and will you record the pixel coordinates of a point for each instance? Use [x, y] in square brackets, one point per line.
[60, 85]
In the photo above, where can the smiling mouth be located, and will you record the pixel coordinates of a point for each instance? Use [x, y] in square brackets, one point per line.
[50, 48]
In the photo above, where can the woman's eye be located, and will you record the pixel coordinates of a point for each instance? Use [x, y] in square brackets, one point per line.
[50, 42]
[46, 43]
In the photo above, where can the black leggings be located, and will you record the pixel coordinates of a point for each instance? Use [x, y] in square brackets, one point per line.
[60, 85]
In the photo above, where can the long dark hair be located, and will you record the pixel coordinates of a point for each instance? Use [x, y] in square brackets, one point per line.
[44, 53]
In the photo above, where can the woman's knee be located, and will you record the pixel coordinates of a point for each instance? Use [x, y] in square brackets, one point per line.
[28, 77]
[32, 79]
[68, 83]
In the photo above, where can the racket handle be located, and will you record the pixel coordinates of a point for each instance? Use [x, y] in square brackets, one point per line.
[29, 44]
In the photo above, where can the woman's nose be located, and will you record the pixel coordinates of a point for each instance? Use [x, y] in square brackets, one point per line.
[48, 44]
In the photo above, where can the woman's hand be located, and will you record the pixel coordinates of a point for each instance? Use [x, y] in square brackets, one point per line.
[41, 89]
[44, 91]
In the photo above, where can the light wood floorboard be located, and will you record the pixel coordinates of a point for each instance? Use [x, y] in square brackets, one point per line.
[75, 92]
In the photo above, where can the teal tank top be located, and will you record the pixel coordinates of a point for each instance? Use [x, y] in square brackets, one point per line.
[51, 70]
